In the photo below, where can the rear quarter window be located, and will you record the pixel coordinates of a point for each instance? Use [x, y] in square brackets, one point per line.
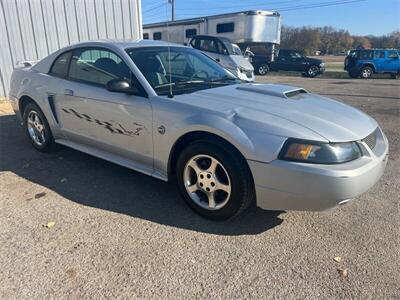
[60, 65]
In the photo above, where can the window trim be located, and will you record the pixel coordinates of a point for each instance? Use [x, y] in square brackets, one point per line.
[141, 91]
[226, 23]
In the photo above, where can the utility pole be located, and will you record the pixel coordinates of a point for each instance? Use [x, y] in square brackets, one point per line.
[172, 2]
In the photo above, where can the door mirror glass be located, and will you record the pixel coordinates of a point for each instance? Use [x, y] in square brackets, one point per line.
[120, 86]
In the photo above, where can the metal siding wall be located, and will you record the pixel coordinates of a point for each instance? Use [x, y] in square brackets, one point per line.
[32, 29]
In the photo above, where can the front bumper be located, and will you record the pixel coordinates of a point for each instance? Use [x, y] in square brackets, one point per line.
[284, 185]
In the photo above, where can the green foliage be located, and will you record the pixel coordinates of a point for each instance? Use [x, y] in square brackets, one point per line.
[330, 40]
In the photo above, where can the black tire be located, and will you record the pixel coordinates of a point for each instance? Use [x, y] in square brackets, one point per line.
[312, 71]
[353, 74]
[48, 142]
[241, 182]
[262, 69]
[395, 76]
[366, 72]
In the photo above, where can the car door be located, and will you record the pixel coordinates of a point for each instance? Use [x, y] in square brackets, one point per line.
[118, 124]
[380, 60]
[392, 61]
[297, 62]
[282, 61]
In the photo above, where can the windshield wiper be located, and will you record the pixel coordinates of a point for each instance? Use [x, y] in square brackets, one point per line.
[222, 79]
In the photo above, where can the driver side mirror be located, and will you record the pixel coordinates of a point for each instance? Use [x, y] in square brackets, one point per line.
[120, 86]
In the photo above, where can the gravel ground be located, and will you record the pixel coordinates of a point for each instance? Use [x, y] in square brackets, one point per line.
[120, 234]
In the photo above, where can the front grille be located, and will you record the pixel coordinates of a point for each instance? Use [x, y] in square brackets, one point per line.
[370, 140]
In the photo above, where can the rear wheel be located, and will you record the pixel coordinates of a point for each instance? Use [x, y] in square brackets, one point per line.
[366, 72]
[214, 181]
[37, 128]
[263, 69]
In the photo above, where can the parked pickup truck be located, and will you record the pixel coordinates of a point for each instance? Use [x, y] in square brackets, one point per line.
[288, 60]
[366, 62]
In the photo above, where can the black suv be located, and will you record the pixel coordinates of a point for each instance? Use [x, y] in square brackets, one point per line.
[288, 60]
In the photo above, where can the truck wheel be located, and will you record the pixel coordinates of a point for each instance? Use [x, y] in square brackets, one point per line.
[366, 72]
[395, 76]
[214, 181]
[263, 69]
[353, 74]
[312, 71]
[37, 128]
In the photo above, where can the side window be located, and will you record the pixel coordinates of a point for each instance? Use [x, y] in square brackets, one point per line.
[208, 45]
[190, 32]
[225, 27]
[60, 66]
[393, 54]
[294, 54]
[379, 54]
[366, 54]
[284, 54]
[157, 36]
[97, 66]
[145, 36]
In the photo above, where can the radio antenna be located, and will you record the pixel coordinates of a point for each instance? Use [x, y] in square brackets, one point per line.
[171, 94]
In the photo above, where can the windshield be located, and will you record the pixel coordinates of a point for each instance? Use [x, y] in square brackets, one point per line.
[236, 50]
[184, 70]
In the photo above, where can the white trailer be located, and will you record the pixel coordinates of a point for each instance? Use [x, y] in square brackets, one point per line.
[256, 26]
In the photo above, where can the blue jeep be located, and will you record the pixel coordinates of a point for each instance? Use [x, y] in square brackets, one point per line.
[365, 62]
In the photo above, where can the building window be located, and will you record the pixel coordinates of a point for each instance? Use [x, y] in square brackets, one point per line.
[157, 36]
[225, 27]
[190, 32]
[145, 36]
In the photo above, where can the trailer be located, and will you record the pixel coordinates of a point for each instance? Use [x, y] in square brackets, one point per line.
[242, 28]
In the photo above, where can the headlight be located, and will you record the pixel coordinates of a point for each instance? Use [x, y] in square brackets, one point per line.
[322, 64]
[319, 153]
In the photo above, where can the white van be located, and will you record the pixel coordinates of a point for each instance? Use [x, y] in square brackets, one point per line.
[225, 53]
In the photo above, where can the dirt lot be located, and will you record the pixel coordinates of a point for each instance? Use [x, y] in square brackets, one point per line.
[120, 234]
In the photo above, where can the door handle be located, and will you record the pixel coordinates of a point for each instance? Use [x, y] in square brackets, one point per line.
[217, 60]
[68, 92]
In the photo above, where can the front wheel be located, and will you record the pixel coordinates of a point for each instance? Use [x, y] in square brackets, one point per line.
[312, 71]
[263, 69]
[395, 76]
[37, 128]
[214, 181]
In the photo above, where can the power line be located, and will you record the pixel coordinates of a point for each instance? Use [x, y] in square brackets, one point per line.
[304, 6]
[155, 7]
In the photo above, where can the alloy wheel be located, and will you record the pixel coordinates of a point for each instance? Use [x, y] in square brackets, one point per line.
[207, 182]
[36, 128]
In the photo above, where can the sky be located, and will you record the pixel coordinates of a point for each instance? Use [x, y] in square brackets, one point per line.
[359, 17]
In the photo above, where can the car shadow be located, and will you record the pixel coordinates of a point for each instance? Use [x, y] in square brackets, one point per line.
[93, 182]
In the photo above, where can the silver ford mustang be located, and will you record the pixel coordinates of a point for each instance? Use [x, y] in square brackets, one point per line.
[171, 112]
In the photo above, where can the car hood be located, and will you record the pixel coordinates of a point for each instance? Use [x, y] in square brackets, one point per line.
[242, 62]
[315, 61]
[269, 106]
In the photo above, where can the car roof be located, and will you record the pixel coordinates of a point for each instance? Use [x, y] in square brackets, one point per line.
[45, 64]
[124, 44]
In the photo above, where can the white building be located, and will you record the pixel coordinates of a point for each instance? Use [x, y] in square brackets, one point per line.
[32, 29]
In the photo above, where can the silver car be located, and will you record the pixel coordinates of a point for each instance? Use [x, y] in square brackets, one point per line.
[171, 112]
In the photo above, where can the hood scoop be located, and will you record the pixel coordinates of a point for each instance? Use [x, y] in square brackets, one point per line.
[275, 90]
